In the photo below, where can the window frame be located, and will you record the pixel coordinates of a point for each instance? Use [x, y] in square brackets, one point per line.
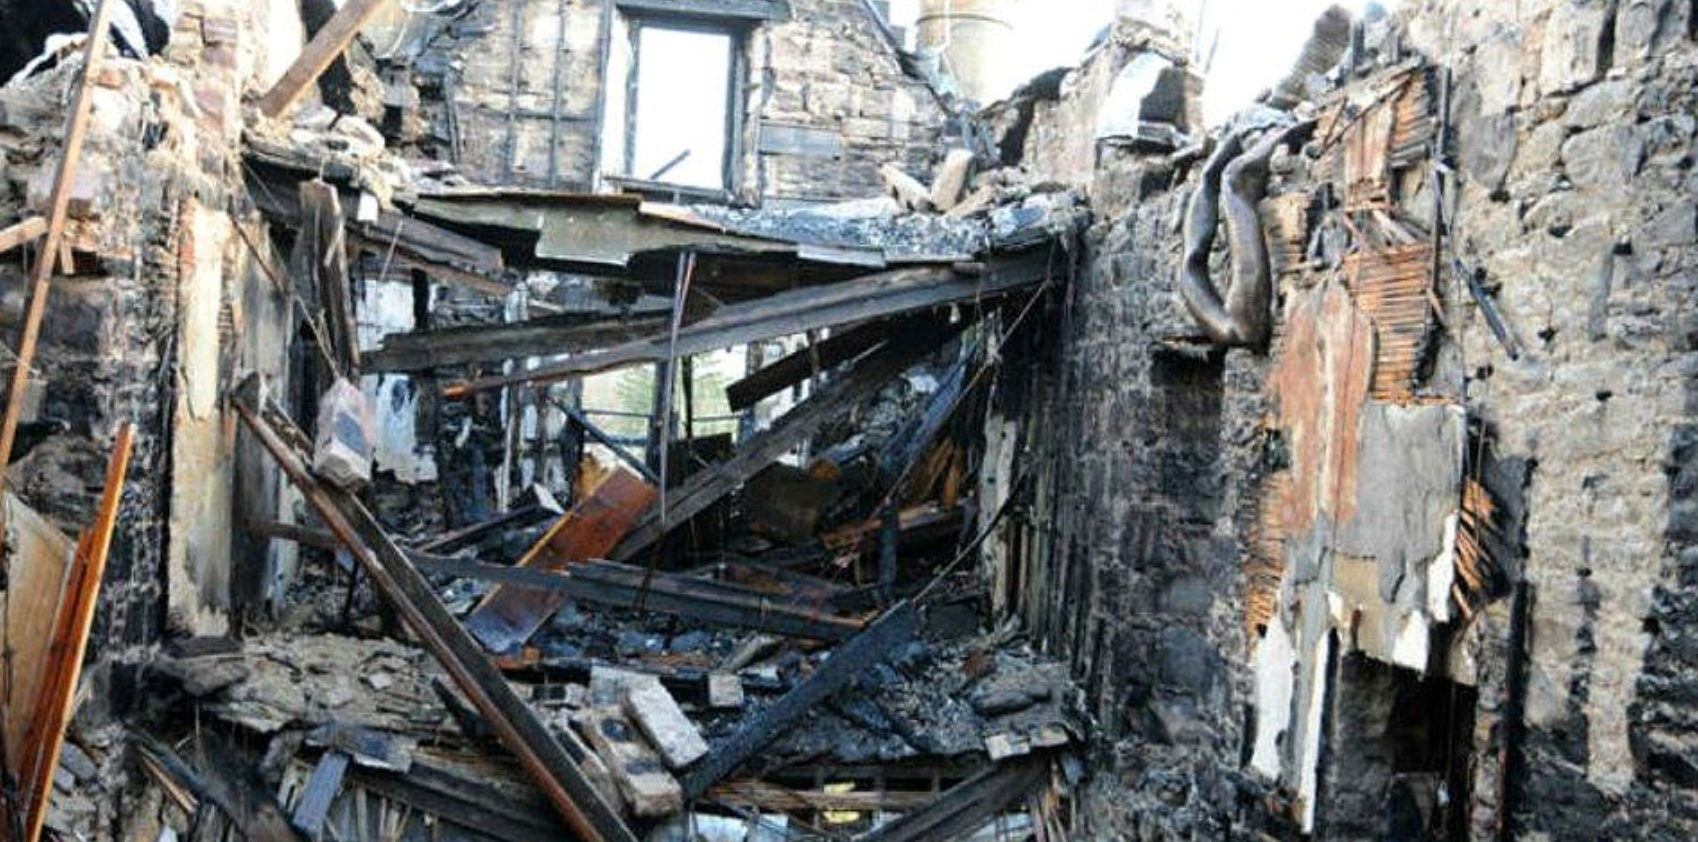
[736, 30]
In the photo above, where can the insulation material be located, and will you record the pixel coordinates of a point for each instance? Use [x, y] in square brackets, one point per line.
[342, 454]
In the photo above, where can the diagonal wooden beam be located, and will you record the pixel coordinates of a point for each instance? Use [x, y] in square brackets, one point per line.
[70, 642]
[836, 399]
[59, 206]
[332, 39]
[551, 761]
[26, 231]
[878, 296]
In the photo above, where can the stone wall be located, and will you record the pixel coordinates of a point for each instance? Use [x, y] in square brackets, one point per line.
[1572, 132]
[513, 93]
[154, 319]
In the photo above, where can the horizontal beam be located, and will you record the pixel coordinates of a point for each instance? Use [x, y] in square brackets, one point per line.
[745, 10]
[877, 296]
[804, 363]
[546, 336]
[27, 231]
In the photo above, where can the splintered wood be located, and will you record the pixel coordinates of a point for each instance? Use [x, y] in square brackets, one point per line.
[1393, 130]
[1475, 567]
[1392, 286]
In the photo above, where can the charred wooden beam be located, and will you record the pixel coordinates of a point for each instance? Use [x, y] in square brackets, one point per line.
[967, 805]
[877, 296]
[818, 357]
[544, 757]
[320, 258]
[707, 487]
[847, 661]
[471, 804]
[904, 449]
[332, 39]
[619, 586]
[521, 517]
[510, 615]
[583, 423]
[560, 334]
[442, 254]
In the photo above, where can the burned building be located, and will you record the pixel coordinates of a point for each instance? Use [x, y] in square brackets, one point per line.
[745, 419]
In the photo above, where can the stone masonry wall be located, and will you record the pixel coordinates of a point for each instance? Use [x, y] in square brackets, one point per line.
[826, 101]
[1572, 130]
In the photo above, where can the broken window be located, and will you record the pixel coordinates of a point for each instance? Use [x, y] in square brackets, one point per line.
[674, 121]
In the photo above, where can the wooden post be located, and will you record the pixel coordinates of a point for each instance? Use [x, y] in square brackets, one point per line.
[58, 207]
[318, 54]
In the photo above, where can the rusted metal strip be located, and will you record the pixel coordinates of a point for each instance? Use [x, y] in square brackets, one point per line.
[552, 764]
[59, 206]
[40, 752]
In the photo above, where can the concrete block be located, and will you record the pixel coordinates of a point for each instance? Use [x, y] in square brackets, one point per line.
[636, 769]
[724, 691]
[905, 188]
[660, 719]
[951, 180]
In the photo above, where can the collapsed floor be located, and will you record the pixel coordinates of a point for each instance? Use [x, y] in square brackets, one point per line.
[1324, 475]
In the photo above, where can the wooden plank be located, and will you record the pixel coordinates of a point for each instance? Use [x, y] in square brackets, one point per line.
[59, 204]
[868, 649]
[705, 488]
[876, 296]
[324, 48]
[321, 257]
[968, 805]
[806, 362]
[510, 615]
[562, 334]
[552, 764]
[39, 557]
[26, 231]
[322, 788]
[747, 10]
[46, 737]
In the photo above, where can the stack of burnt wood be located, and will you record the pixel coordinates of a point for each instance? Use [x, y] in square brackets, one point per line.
[778, 634]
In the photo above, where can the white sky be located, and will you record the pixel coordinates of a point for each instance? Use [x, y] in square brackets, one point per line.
[1258, 39]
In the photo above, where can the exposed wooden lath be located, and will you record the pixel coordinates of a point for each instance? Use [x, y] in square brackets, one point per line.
[1476, 570]
[1413, 124]
[1264, 560]
[1392, 286]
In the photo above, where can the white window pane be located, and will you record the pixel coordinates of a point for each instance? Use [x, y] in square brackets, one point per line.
[683, 94]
